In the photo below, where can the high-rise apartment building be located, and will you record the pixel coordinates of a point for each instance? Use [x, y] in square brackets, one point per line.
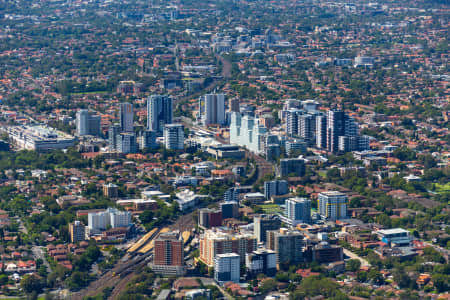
[307, 127]
[295, 166]
[227, 267]
[159, 112]
[335, 129]
[275, 188]
[126, 142]
[100, 221]
[147, 140]
[292, 121]
[321, 131]
[245, 131]
[111, 190]
[333, 205]
[208, 218]
[87, 124]
[234, 105]
[229, 209]
[77, 232]
[288, 245]
[174, 136]
[296, 146]
[231, 195]
[113, 132]
[126, 117]
[264, 223]
[298, 210]
[213, 243]
[261, 261]
[214, 110]
[169, 255]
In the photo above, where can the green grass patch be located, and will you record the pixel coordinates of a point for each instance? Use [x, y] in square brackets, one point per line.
[442, 188]
[271, 208]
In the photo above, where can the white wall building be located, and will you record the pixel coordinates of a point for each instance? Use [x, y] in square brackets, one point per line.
[298, 210]
[99, 221]
[333, 205]
[174, 136]
[227, 267]
[39, 138]
[245, 131]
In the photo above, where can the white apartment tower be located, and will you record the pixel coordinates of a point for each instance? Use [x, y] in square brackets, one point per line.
[174, 136]
[333, 205]
[245, 131]
[227, 267]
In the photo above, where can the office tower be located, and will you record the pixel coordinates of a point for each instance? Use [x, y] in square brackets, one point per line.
[321, 132]
[208, 218]
[87, 124]
[263, 223]
[288, 245]
[147, 140]
[298, 210]
[335, 129]
[100, 221]
[231, 195]
[261, 261]
[169, 255]
[245, 131]
[110, 190]
[229, 209]
[159, 112]
[113, 132]
[333, 205]
[126, 117]
[275, 187]
[77, 232]
[227, 267]
[234, 105]
[214, 111]
[295, 147]
[126, 142]
[213, 243]
[295, 166]
[174, 136]
[292, 117]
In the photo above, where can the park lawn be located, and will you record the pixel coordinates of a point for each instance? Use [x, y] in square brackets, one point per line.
[270, 208]
[442, 188]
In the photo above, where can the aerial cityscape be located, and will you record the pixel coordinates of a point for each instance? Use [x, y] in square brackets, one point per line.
[224, 149]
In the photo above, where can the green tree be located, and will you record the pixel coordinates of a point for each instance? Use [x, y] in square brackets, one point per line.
[353, 265]
[32, 283]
